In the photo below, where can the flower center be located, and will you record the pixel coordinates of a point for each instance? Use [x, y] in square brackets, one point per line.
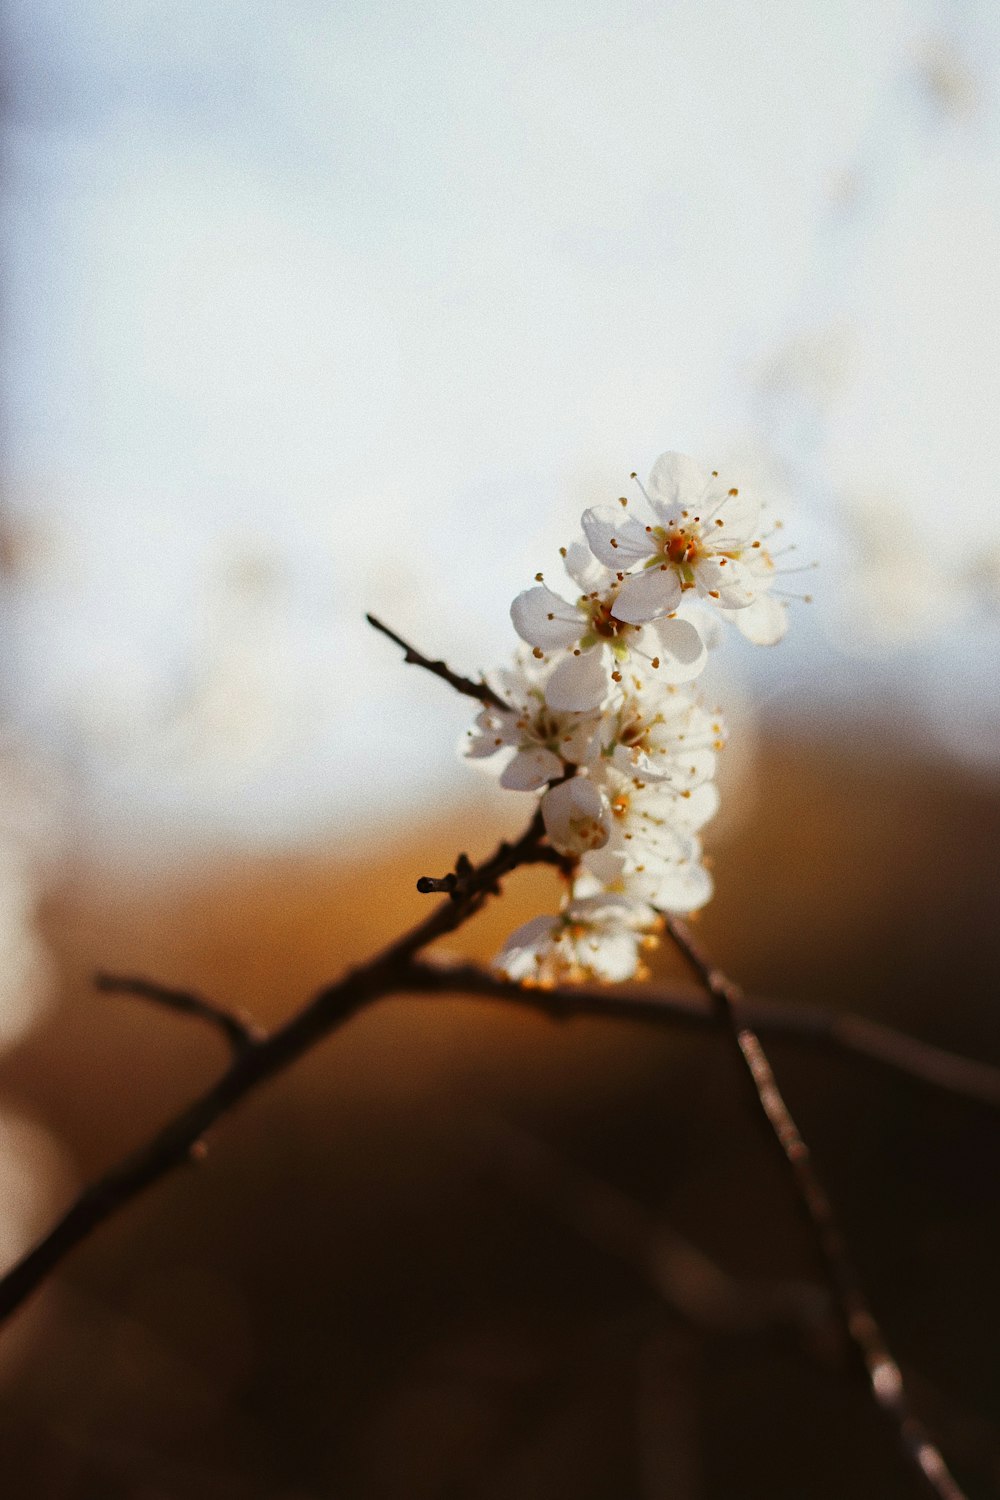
[682, 548]
[620, 805]
[603, 622]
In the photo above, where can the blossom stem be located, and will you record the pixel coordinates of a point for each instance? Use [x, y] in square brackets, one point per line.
[467, 686]
[863, 1332]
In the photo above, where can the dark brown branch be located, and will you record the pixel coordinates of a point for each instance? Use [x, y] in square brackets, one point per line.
[457, 882]
[465, 685]
[239, 1031]
[803, 1024]
[399, 969]
[865, 1336]
[257, 1061]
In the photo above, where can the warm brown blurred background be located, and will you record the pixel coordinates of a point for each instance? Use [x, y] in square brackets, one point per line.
[316, 309]
[370, 1290]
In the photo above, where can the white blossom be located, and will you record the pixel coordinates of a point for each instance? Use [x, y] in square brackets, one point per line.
[661, 736]
[698, 534]
[598, 937]
[603, 722]
[543, 740]
[577, 816]
[596, 641]
[652, 850]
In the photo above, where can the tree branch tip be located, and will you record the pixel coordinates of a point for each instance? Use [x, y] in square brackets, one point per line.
[239, 1030]
[467, 686]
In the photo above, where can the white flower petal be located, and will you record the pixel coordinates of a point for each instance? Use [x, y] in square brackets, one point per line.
[740, 517]
[704, 615]
[702, 804]
[579, 683]
[481, 742]
[531, 769]
[681, 888]
[725, 579]
[544, 619]
[677, 483]
[614, 957]
[764, 621]
[646, 595]
[576, 816]
[518, 958]
[616, 538]
[609, 908]
[682, 651]
[584, 569]
[576, 742]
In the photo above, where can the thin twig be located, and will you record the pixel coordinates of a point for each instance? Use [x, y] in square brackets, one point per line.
[808, 1025]
[864, 1334]
[467, 686]
[257, 1061]
[239, 1031]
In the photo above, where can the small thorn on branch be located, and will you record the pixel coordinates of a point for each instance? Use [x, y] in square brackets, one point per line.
[240, 1032]
[456, 883]
[428, 885]
[480, 690]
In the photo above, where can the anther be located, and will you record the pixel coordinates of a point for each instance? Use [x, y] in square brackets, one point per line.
[538, 578]
[562, 551]
[613, 542]
[622, 499]
[616, 677]
[655, 662]
[537, 652]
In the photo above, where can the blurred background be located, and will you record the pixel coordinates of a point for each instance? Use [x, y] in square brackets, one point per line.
[314, 310]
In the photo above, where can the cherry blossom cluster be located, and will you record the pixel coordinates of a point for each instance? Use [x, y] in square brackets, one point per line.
[604, 722]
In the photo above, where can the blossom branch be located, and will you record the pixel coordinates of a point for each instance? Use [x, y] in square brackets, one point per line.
[467, 686]
[655, 1005]
[864, 1334]
[629, 791]
[255, 1060]
[400, 969]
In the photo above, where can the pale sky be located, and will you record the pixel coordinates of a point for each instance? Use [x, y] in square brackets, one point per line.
[313, 309]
